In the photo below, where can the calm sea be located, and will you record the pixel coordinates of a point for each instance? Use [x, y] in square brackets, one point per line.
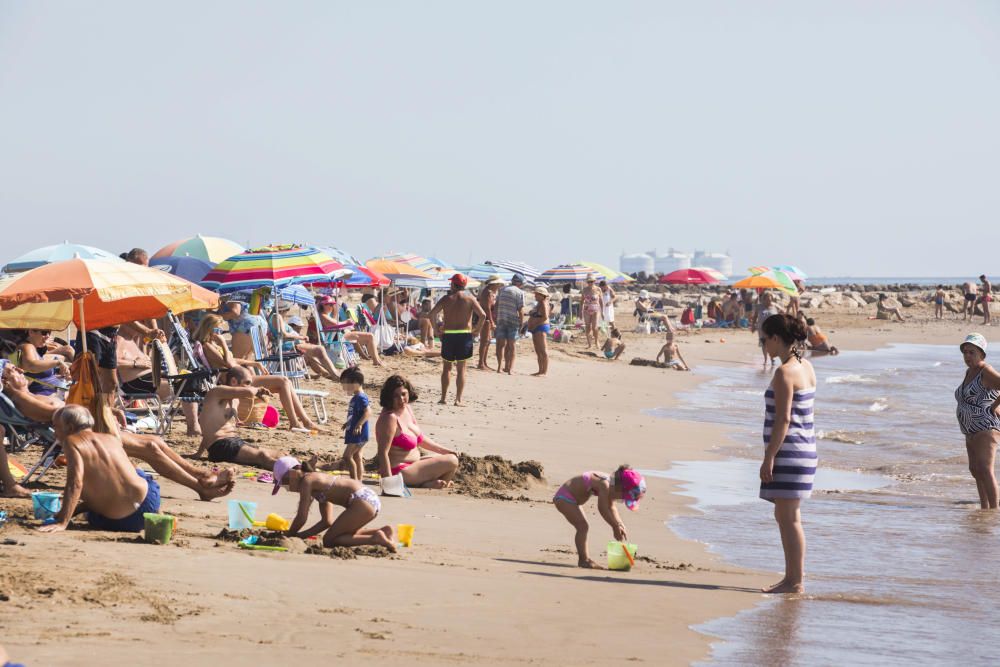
[902, 566]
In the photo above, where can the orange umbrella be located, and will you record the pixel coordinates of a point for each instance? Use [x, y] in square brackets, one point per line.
[104, 294]
[390, 268]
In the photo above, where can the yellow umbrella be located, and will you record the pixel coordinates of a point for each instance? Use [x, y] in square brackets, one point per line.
[95, 294]
[606, 271]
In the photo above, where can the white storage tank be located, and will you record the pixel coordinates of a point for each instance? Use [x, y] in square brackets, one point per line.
[638, 262]
[672, 260]
[721, 262]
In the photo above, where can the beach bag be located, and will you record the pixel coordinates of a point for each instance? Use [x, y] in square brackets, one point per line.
[394, 486]
[383, 333]
[256, 411]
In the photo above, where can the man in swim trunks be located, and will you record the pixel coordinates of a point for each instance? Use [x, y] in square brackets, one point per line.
[969, 289]
[457, 308]
[220, 438]
[99, 472]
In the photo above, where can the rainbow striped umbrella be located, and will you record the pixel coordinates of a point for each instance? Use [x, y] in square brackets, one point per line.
[768, 280]
[569, 273]
[212, 249]
[273, 266]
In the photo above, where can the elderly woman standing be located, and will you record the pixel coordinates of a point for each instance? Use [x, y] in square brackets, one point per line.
[538, 326]
[978, 400]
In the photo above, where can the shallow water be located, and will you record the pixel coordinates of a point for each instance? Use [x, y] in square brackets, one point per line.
[903, 568]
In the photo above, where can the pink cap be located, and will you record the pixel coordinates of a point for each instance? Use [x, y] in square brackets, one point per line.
[281, 468]
[633, 488]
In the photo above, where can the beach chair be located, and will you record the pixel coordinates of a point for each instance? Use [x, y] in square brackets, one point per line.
[280, 367]
[342, 352]
[189, 386]
[23, 432]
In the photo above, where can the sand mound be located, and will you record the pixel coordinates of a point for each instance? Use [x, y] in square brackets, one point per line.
[349, 553]
[484, 476]
[647, 362]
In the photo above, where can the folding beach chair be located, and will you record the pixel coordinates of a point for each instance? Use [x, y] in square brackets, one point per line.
[23, 432]
[189, 386]
[277, 366]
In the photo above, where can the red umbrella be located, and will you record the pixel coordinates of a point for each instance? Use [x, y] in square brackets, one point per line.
[689, 277]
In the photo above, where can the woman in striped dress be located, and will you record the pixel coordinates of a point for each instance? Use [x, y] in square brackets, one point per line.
[786, 475]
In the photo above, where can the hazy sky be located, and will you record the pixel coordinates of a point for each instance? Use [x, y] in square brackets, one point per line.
[848, 137]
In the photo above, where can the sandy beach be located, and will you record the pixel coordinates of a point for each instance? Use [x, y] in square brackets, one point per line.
[489, 580]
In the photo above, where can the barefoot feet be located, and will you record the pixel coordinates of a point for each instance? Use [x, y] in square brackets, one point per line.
[589, 564]
[13, 490]
[784, 586]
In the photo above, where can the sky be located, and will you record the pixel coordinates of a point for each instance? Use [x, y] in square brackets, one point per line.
[848, 137]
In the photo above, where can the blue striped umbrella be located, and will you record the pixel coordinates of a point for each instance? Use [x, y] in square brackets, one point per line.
[526, 270]
[58, 253]
[569, 273]
[297, 294]
[484, 271]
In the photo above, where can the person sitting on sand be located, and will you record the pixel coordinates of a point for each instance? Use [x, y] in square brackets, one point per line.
[361, 505]
[98, 471]
[149, 448]
[400, 440]
[671, 354]
[613, 347]
[625, 484]
[216, 353]
[886, 310]
[220, 438]
[818, 341]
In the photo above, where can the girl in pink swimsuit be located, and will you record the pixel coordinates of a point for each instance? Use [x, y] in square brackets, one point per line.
[625, 484]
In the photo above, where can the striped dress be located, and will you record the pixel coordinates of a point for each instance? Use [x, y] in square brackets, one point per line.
[795, 463]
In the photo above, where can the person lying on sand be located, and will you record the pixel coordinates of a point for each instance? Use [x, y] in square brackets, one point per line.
[671, 354]
[613, 347]
[360, 503]
[99, 473]
[220, 438]
[400, 440]
[626, 484]
[818, 341]
[149, 448]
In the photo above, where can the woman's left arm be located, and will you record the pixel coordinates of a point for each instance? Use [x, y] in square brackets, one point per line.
[991, 380]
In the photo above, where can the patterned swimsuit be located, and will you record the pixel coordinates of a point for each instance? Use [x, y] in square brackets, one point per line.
[975, 407]
[795, 462]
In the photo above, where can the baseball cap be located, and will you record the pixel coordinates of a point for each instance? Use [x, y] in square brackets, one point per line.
[324, 299]
[518, 279]
[976, 339]
[633, 488]
[458, 280]
[281, 468]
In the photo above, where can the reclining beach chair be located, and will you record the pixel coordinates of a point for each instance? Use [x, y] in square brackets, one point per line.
[23, 432]
[277, 366]
[189, 386]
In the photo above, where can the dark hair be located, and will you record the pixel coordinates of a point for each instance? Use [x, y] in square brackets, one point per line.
[305, 466]
[940, 286]
[134, 254]
[618, 474]
[238, 373]
[352, 375]
[603, 283]
[567, 288]
[392, 383]
[810, 321]
[366, 295]
[785, 327]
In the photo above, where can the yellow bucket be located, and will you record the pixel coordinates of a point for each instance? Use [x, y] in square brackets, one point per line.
[405, 533]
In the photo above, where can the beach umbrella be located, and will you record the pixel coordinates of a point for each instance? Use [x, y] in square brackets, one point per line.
[689, 277]
[484, 271]
[58, 253]
[188, 268]
[606, 271]
[568, 273]
[526, 270]
[274, 267]
[95, 293]
[392, 269]
[212, 249]
[362, 276]
[768, 280]
[298, 295]
[794, 271]
[339, 255]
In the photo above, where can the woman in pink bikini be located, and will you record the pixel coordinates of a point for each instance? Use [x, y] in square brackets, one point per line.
[400, 441]
[625, 484]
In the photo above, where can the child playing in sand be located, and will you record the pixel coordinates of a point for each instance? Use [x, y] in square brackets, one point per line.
[672, 354]
[625, 484]
[818, 341]
[613, 347]
[347, 530]
[356, 426]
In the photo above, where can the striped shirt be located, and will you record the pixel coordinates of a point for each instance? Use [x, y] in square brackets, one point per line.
[510, 301]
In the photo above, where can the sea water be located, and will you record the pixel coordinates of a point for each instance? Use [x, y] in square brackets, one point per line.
[902, 565]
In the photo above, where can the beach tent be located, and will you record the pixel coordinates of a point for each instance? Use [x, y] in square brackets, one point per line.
[689, 277]
[211, 249]
[529, 272]
[569, 273]
[58, 253]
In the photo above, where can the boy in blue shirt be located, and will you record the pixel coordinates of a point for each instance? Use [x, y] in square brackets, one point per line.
[356, 426]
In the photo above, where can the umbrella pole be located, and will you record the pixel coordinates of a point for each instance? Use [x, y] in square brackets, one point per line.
[281, 334]
[83, 326]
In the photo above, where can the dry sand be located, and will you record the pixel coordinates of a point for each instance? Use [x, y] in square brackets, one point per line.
[491, 578]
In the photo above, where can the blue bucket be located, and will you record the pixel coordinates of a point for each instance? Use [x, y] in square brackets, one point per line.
[241, 514]
[45, 505]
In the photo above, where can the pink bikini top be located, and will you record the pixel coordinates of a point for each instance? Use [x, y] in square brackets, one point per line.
[404, 440]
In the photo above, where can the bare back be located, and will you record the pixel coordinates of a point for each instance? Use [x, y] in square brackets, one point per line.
[110, 485]
[457, 309]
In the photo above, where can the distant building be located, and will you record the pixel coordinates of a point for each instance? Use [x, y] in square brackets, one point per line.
[671, 261]
[721, 262]
[639, 262]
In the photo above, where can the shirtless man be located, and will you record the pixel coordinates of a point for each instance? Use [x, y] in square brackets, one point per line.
[99, 472]
[220, 438]
[457, 308]
[969, 289]
[987, 296]
[149, 448]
